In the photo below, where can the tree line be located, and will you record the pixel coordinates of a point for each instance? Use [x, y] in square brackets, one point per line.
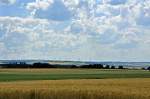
[47, 65]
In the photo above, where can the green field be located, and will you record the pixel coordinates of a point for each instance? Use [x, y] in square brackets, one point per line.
[59, 74]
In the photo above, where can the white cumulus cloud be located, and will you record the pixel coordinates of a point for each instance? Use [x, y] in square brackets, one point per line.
[38, 4]
[111, 28]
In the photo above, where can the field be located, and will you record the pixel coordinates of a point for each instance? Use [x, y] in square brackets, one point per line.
[60, 74]
[77, 89]
[74, 84]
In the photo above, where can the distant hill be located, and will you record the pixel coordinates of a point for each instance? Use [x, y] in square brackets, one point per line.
[78, 63]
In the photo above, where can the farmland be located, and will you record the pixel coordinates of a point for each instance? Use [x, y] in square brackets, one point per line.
[74, 84]
[137, 88]
[60, 74]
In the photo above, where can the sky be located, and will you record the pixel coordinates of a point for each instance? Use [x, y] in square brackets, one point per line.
[80, 30]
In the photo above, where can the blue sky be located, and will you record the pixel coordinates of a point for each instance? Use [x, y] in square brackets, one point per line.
[88, 30]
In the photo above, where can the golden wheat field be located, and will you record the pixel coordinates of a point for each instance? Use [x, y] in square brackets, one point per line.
[135, 88]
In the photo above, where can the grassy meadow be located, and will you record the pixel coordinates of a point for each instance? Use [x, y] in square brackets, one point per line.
[74, 84]
[60, 74]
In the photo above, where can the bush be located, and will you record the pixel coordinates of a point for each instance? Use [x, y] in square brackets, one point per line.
[120, 67]
[112, 67]
[73, 66]
[97, 66]
[107, 67]
[148, 68]
[143, 68]
[42, 65]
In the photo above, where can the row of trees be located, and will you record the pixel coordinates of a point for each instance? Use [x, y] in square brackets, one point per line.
[46, 65]
[100, 66]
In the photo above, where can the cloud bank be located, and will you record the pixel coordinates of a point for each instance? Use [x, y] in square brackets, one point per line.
[78, 30]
